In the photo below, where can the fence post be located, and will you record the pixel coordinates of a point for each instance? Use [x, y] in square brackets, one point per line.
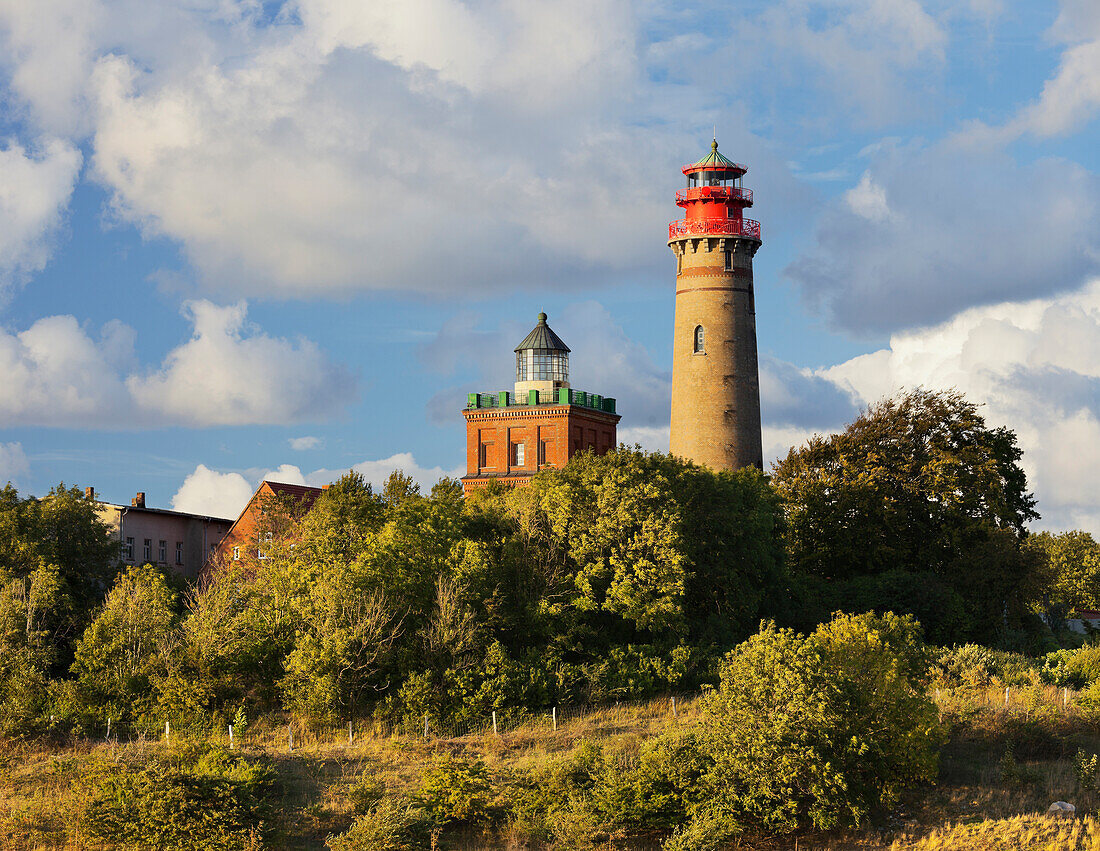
[674, 707]
[290, 737]
[1065, 697]
[231, 737]
[1006, 697]
[554, 718]
[425, 725]
[494, 722]
[167, 732]
[349, 732]
[108, 728]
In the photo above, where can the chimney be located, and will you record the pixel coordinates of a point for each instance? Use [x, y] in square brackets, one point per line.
[89, 493]
[139, 500]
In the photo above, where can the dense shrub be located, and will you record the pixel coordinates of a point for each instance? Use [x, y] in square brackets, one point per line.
[194, 798]
[818, 730]
[453, 789]
[392, 824]
[976, 666]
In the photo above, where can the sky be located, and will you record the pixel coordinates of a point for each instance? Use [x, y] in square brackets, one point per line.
[254, 239]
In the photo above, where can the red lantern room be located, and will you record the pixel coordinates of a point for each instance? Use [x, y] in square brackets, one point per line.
[714, 200]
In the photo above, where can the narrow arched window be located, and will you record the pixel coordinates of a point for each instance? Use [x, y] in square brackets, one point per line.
[700, 342]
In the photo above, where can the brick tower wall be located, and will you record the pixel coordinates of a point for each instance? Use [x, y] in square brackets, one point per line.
[715, 394]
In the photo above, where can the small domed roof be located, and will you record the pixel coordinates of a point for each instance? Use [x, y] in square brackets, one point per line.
[542, 337]
[714, 161]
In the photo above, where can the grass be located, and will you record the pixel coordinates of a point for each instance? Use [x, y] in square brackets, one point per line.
[44, 786]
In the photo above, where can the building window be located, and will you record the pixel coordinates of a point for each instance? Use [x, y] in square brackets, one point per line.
[729, 260]
[128, 550]
[517, 454]
[147, 554]
[483, 454]
[179, 552]
[236, 553]
[700, 340]
[679, 263]
[265, 539]
[542, 452]
[162, 552]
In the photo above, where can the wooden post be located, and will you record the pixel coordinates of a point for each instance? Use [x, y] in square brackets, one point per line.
[1006, 697]
[108, 728]
[167, 732]
[425, 725]
[1065, 697]
[673, 707]
[554, 718]
[231, 737]
[349, 732]
[494, 722]
[290, 737]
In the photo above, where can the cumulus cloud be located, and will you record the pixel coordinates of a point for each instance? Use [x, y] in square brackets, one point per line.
[13, 462]
[35, 187]
[214, 494]
[1034, 365]
[207, 491]
[303, 444]
[56, 373]
[929, 231]
[228, 374]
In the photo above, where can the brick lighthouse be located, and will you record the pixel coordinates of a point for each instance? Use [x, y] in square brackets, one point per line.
[715, 377]
[542, 422]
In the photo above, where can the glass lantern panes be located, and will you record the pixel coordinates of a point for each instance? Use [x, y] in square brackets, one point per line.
[542, 365]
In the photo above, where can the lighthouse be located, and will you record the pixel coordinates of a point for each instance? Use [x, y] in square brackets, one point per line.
[715, 376]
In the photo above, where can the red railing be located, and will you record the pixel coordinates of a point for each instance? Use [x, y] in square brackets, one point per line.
[714, 193]
[715, 227]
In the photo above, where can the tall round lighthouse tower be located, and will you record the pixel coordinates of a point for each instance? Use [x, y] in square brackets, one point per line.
[715, 377]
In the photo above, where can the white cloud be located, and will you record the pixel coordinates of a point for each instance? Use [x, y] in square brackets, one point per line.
[931, 231]
[225, 375]
[35, 187]
[303, 444]
[214, 494]
[1034, 365]
[56, 373]
[207, 491]
[1071, 98]
[13, 462]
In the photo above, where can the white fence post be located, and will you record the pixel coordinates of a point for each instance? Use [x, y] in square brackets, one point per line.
[1006, 697]
[167, 732]
[349, 732]
[425, 725]
[494, 722]
[674, 707]
[108, 728]
[290, 737]
[554, 718]
[231, 737]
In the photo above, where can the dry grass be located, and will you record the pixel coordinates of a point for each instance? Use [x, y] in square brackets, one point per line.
[42, 793]
[1021, 833]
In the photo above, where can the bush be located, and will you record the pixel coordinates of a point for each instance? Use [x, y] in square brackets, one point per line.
[196, 798]
[454, 789]
[817, 730]
[392, 824]
[976, 666]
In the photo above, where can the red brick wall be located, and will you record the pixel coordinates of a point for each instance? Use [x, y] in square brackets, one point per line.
[563, 430]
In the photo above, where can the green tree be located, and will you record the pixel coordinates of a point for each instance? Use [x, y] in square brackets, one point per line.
[917, 484]
[1070, 577]
[818, 730]
[124, 648]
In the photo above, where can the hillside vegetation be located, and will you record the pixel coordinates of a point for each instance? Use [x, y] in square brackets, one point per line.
[425, 621]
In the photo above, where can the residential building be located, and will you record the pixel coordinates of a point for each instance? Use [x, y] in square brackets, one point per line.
[177, 540]
[247, 535]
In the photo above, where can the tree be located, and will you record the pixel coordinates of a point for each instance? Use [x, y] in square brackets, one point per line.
[917, 484]
[1070, 571]
[62, 531]
[123, 649]
[819, 730]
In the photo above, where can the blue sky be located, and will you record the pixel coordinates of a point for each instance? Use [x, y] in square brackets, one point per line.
[242, 239]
